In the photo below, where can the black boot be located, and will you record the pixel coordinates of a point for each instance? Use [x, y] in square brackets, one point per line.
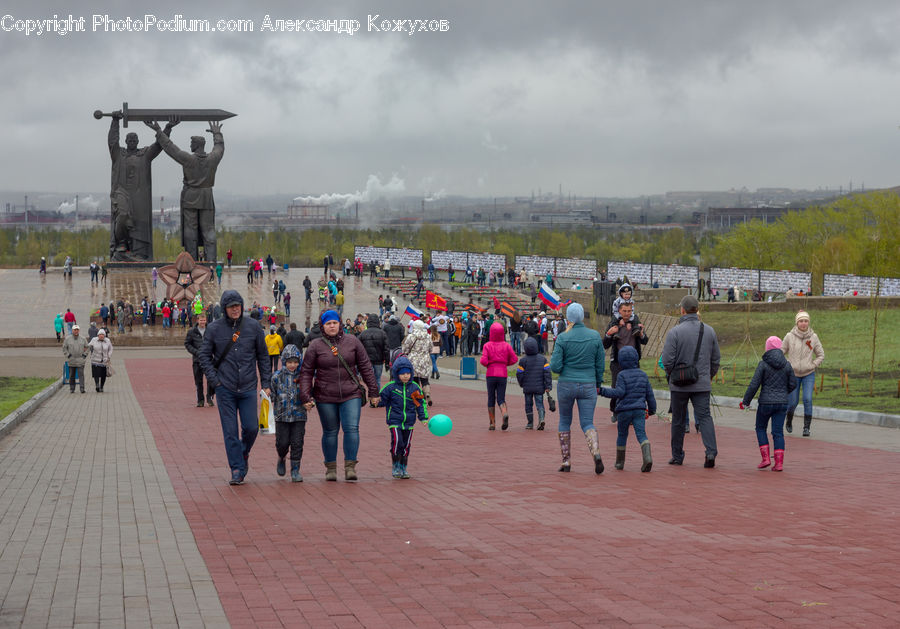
[789, 421]
[620, 457]
[530, 418]
[807, 420]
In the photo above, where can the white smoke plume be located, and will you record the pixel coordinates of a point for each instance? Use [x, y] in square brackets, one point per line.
[436, 196]
[87, 204]
[374, 190]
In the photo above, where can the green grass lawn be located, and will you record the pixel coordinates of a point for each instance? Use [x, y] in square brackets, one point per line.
[847, 339]
[16, 391]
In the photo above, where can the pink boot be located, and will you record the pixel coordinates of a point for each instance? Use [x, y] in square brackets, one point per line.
[766, 461]
[779, 461]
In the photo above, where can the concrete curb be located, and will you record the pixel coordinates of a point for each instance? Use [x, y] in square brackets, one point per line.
[833, 414]
[20, 414]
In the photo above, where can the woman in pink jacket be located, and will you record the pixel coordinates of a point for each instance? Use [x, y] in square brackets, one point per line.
[497, 355]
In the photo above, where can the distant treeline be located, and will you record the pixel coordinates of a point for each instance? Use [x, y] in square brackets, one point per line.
[858, 234]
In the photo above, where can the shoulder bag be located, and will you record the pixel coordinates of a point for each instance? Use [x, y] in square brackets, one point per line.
[353, 377]
[684, 374]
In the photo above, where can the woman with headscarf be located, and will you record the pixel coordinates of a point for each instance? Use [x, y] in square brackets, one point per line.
[334, 369]
[803, 349]
[101, 351]
[578, 358]
[417, 347]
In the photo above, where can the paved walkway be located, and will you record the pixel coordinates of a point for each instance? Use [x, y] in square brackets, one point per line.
[115, 511]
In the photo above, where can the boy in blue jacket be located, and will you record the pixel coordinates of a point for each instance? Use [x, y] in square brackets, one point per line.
[405, 403]
[635, 403]
[533, 375]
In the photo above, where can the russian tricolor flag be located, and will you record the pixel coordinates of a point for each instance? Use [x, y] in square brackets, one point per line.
[413, 312]
[549, 297]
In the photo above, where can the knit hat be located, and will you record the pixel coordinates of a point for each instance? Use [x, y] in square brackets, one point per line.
[404, 369]
[329, 315]
[101, 331]
[575, 313]
[773, 342]
[801, 315]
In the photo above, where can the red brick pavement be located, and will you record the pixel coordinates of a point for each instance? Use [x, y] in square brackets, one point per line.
[488, 533]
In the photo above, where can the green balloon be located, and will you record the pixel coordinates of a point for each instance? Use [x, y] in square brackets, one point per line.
[440, 425]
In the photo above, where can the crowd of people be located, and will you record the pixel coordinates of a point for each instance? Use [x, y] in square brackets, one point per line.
[336, 364]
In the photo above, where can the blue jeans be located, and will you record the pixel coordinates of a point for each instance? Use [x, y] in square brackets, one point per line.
[232, 404]
[532, 400]
[777, 413]
[378, 368]
[624, 419]
[584, 394]
[434, 368]
[807, 383]
[344, 415]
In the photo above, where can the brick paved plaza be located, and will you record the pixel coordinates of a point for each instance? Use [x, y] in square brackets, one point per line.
[115, 511]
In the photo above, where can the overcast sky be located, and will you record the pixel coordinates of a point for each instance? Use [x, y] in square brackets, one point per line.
[605, 98]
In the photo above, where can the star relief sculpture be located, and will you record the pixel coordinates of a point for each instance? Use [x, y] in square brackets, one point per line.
[184, 278]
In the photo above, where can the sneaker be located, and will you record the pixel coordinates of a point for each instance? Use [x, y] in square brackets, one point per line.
[280, 468]
[529, 426]
[395, 470]
[403, 472]
[540, 426]
[71, 390]
[246, 464]
[200, 404]
[296, 477]
[709, 462]
[674, 461]
[237, 478]
[209, 402]
[613, 418]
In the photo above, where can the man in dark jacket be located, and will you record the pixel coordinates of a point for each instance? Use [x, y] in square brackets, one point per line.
[294, 337]
[394, 332]
[307, 286]
[315, 332]
[233, 351]
[622, 331]
[375, 340]
[681, 344]
[193, 341]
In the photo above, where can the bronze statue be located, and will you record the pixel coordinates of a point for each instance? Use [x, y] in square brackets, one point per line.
[131, 224]
[198, 209]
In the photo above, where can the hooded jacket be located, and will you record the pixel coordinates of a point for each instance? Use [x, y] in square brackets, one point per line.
[395, 333]
[533, 373]
[776, 377]
[417, 346]
[375, 341]
[58, 323]
[404, 402]
[803, 350]
[497, 355]
[286, 404]
[324, 378]
[237, 371]
[633, 389]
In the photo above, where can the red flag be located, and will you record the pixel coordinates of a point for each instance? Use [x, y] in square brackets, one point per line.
[435, 301]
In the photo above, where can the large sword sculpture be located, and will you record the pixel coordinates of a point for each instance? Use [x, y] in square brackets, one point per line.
[152, 115]
[131, 229]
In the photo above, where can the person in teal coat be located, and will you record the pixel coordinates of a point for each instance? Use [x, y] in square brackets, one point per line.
[578, 358]
[58, 326]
